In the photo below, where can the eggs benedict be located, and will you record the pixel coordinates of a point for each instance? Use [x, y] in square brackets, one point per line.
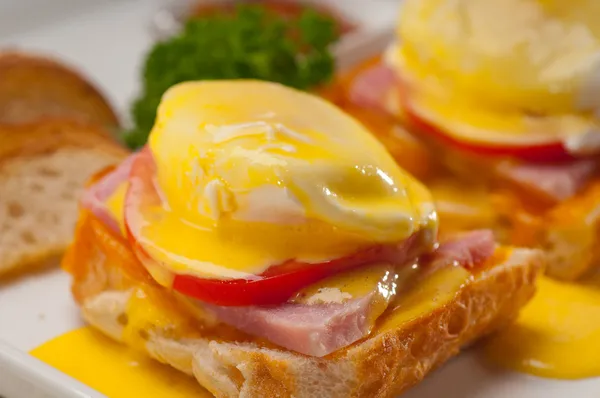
[504, 94]
[510, 89]
[265, 243]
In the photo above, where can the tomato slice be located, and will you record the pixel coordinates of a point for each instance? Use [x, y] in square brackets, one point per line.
[274, 286]
[539, 153]
[542, 153]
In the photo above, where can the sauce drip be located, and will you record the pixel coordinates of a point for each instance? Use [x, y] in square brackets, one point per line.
[113, 369]
[557, 334]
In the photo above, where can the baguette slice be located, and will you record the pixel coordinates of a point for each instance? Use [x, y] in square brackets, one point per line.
[382, 365]
[33, 87]
[43, 168]
[571, 235]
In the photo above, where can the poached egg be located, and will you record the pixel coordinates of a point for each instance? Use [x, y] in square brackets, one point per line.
[503, 72]
[513, 72]
[252, 174]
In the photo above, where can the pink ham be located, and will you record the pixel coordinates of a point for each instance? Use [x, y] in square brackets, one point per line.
[369, 89]
[466, 249]
[95, 197]
[320, 329]
[554, 181]
[310, 329]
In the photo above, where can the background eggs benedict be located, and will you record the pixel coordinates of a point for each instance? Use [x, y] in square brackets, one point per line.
[504, 94]
[518, 78]
[508, 89]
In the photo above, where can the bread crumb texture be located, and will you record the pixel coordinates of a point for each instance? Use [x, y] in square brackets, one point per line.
[40, 183]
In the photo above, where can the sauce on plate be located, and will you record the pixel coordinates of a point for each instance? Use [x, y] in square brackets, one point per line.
[557, 334]
[114, 370]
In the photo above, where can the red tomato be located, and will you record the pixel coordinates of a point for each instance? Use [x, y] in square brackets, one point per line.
[274, 286]
[539, 153]
[542, 152]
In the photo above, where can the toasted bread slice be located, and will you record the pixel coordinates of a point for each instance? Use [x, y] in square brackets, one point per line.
[571, 235]
[385, 364]
[33, 87]
[43, 168]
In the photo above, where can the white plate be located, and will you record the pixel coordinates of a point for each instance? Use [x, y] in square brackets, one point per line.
[107, 40]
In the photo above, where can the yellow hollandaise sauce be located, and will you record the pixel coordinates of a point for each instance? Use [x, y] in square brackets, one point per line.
[116, 203]
[557, 335]
[430, 293]
[113, 369]
[250, 174]
[522, 53]
[381, 279]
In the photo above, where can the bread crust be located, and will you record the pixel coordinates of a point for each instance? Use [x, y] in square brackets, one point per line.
[568, 233]
[382, 365]
[46, 136]
[571, 237]
[34, 87]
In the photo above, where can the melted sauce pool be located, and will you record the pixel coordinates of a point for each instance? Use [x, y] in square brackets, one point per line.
[114, 370]
[557, 334]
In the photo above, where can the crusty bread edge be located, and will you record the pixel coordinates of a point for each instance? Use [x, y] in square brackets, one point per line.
[45, 136]
[571, 235]
[13, 58]
[383, 365]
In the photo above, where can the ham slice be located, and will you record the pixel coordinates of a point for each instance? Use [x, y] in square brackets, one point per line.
[557, 182]
[316, 330]
[95, 197]
[370, 88]
[320, 329]
[466, 249]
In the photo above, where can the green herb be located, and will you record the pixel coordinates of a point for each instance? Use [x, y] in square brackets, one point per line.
[253, 43]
